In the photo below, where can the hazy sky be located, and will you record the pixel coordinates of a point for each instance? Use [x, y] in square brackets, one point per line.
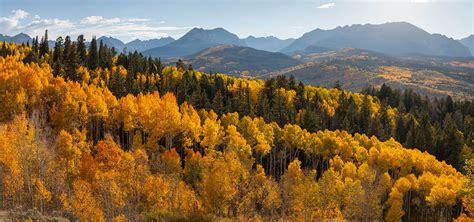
[145, 19]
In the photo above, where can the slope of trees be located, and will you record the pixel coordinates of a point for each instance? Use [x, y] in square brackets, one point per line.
[130, 140]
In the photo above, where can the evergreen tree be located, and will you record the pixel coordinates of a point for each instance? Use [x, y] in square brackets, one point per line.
[400, 130]
[386, 128]
[217, 103]
[36, 45]
[32, 56]
[93, 60]
[58, 56]
[365, 115]
[4, 50]
[180, 64]
[451, 143]
[43, 47]
[71, 60]
[449, 104]
[117, 85]
[102, 55]
[81, 50]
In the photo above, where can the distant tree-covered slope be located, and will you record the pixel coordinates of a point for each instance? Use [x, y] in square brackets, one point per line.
[354, 69]
[239, 61]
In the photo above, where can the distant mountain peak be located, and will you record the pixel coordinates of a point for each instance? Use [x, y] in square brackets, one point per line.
[21, 34]
[267, 43]
[143, 45]
[194, 41]
[197, 30]
[18, 38]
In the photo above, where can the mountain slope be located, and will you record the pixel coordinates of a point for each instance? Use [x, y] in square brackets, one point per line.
[19, 38]
[355, 69]
[391, 38]
[239, 61]
[141, 46]
[194, 41]
[270, 43]
[112, 42]
[468, 42]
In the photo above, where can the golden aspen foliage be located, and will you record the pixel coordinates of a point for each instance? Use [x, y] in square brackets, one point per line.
[190, 125]
[212, 134]
[236, 143]
[170, 162]
[21, 85]
[83, 203]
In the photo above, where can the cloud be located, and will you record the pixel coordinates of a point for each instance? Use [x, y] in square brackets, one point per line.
[125, 28]
[98, 20]
[37, 26]
[137, 20]
[94, 25]
[8, 23]
[19, 14]
[327, 5]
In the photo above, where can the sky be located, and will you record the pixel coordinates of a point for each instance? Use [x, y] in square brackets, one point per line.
[146, 19]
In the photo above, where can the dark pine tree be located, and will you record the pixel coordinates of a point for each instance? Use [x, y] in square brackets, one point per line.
[81, 50]
[58, 57]
[44, 48]
[93, 60]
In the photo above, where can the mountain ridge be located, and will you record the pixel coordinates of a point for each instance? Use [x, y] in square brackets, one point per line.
[239, 60]
[195, 40]
[268, 43]
[395, 38]
[469, 43]
[391, 38]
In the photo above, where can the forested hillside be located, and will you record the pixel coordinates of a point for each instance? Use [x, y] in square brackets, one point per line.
[90, 135]
[355, 68]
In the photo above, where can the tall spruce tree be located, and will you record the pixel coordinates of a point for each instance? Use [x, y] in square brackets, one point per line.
[81, 50]
[58, 56]
[43, 47]
[93, 57]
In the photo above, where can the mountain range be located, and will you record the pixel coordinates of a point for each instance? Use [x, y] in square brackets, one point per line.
[19, 38]
[394, 38]
[139, 45]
